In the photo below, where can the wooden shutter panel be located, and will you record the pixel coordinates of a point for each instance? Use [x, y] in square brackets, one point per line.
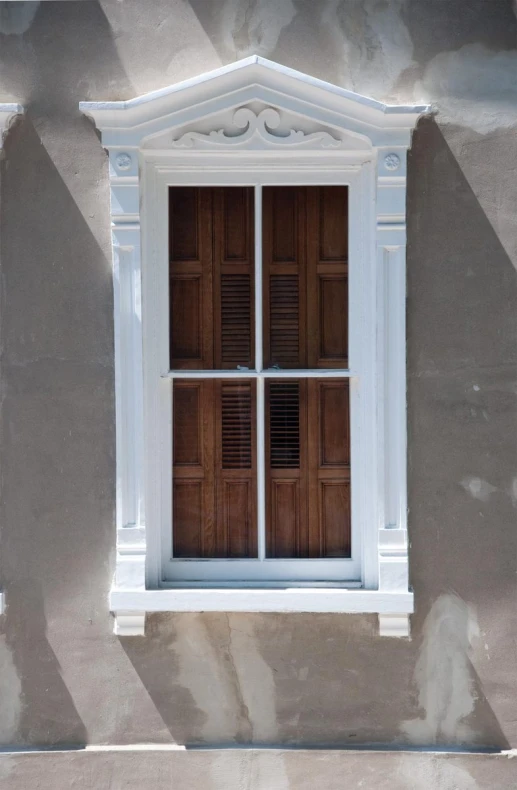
[308, 468]
[305, 276]
[211, 277]
[212, 326]
[214, 472]
[305, 247]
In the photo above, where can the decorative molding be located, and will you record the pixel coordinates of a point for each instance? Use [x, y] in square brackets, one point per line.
[8, 114]
[260, 126]
[347, 139]
[124, 161]
[392, 162]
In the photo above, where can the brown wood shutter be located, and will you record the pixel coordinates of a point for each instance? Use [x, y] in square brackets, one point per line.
[305, 249]
[305, 276]
[214, 472]
[212, 326]
[308, 468]
[211, 278]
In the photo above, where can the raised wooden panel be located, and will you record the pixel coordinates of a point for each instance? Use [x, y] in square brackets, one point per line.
[284, 211]
[236, 223]
[334, 440]
[333, 224]
[333, 313]
[238, 507]
[214, 448]
[236, 312]
[187, 424]
[183, 208]
[335, 518]
[211, 278]
[187, 498]
[284, 524]
[236, 425]
[307, 448]
[185, 318]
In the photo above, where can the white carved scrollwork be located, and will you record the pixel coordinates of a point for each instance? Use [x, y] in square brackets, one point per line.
[259, 127]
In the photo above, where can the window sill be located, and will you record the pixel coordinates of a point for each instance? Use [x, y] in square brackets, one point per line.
[130, 606]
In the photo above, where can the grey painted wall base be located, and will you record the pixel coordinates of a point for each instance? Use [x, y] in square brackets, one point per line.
[234, 769]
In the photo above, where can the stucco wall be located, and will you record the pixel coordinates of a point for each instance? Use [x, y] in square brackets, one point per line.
[282, 679]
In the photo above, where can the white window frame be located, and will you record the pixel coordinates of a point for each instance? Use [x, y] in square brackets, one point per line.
[256, 123]
[9, 112]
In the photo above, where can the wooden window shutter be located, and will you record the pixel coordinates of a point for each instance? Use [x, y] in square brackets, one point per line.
[211, 326]
[305, 248]
[308, 468]
[211, 278]
[305, 276]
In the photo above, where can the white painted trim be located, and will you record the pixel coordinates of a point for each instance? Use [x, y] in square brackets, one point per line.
[301, 131]
[294, 599]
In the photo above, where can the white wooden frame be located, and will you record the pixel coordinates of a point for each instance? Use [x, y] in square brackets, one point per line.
[256, 123]
[8, 114]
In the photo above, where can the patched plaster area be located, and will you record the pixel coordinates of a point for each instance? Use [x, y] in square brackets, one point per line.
[473, 87]
[10, 694]
[372, 42]
[16, 18]
[478, 488]
[439, 775]
[230, 682]
[254, 28]
[443, 675]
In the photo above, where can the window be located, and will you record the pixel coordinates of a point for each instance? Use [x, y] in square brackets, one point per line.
[261, 430]
[274, 486]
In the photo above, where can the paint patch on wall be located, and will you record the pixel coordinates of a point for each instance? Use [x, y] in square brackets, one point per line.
[10, 694]
[473, 86]
[16, 18]
[373, 43]
[478, 488]
[254, 28]
[255, 679]
[203, 673]
[443, 675]
[418, 775]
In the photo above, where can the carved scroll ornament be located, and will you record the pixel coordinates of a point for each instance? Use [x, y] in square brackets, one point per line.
[260, 126]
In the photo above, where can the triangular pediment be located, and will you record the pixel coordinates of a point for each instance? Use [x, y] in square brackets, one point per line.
[253, 100]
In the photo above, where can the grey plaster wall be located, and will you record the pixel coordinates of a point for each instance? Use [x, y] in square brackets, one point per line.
[259, 679]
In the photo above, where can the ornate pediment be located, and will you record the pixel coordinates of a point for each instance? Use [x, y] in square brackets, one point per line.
[257, 104]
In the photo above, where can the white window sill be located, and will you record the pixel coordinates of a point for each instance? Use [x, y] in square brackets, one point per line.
[131, 606]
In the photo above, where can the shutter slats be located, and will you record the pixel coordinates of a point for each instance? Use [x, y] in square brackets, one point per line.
[284, 425]
[284, 319]
[236, 426]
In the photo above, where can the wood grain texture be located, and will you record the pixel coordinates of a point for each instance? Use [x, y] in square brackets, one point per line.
[305, 276]
[211, 245]
[214, 472]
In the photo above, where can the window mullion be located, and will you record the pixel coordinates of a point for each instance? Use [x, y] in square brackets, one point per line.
[261, 415]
